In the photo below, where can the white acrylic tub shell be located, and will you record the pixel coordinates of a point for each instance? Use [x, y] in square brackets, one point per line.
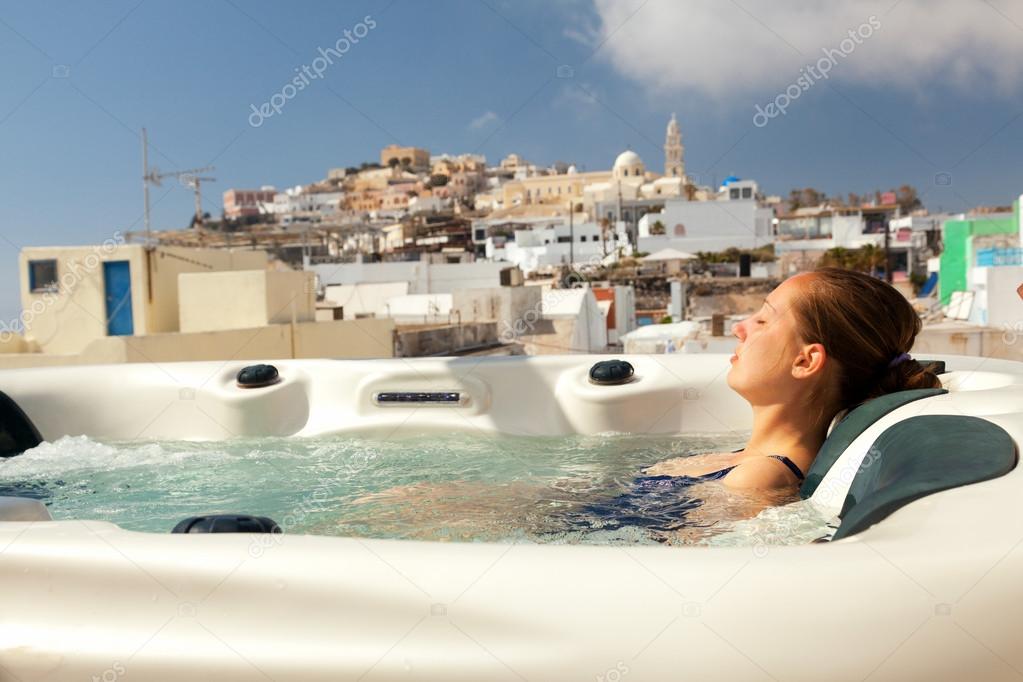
[934, 592]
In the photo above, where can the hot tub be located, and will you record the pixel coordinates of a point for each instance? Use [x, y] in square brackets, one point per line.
[919, 582]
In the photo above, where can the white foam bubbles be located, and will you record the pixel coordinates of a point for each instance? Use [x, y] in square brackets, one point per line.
[80, 453]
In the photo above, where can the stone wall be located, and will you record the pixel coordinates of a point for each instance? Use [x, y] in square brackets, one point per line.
[414, 342]
[731, 296]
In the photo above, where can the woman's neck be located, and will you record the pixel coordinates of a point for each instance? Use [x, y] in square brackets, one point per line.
[781, 429]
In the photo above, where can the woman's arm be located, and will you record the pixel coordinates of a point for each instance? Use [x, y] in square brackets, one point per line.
[723, 506]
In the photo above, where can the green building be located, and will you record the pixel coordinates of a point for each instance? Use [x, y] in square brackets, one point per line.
[957, 253]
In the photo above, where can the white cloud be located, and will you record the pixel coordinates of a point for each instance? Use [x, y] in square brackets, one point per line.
[743, 46]
[483, 120]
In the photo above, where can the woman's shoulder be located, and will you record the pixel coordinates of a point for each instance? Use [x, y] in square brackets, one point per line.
[759, 472]
[691, 465]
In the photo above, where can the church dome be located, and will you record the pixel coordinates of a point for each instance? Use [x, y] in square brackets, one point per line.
[628, 165]
[628, 158]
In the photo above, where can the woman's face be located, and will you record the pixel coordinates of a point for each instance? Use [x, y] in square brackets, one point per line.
[769, 345]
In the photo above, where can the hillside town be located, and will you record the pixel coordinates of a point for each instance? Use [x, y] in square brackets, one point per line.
[419, 254]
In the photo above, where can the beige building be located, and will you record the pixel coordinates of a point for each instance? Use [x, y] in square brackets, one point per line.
[380, 189]
[466, 176]
[363, 200]
[397, 236]
[514, 163]
[72, 295]
[243, 299]
[550, 189]
[412, 157]
[464, 163]
[396, 197]
[127, 303]
[628, 178]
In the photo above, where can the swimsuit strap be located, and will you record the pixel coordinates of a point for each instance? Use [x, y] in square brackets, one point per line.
[784, 460]
[715, 475]
[790, 464]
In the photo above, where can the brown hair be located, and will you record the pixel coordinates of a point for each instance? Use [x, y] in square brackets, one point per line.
[864, 324]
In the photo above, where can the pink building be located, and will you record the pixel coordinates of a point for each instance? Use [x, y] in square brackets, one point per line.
[247, 202]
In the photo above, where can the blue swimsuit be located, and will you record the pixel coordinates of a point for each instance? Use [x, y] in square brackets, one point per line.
[657, 502]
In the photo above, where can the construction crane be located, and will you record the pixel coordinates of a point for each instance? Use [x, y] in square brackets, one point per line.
[194, 181]
[153, 177]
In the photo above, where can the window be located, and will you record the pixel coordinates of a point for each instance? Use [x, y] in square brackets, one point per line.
[747, 192]
[42, 275]
[874, 223]
[806, 227]
[564, 240]
[481, 234]
[582, 237]
[733, 193]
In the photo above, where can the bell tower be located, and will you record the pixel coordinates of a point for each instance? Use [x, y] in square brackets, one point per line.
[674, 163]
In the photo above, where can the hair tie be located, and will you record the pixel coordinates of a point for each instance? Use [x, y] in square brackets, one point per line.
[899, 359]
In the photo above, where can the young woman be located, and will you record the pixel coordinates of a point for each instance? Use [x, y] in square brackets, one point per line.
[823, 342]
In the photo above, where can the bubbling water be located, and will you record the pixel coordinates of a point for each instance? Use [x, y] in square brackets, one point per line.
[442, 488]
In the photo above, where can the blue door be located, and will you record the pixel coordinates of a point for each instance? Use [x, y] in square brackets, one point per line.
[117, 283]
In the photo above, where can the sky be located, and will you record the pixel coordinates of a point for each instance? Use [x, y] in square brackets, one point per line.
[844, 97]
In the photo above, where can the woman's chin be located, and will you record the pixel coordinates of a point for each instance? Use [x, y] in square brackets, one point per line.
[737, 380]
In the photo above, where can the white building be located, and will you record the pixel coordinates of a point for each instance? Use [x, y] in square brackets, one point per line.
[363, 300]
[811, 231]
[422, 276]
[432, 204]
[734, 219]
[994, 276]
[296, 203]
[417, 309]
[588, 333]
[996, 303]
[553, 244]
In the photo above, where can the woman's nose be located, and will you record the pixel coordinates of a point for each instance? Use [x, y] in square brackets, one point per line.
[739, 331]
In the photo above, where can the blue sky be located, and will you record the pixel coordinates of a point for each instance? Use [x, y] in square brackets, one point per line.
[936, 88]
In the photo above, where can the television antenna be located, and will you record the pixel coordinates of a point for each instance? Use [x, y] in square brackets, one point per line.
[153, 177]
